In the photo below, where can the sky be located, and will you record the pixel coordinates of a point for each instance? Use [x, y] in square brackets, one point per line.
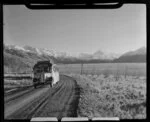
[77, 31]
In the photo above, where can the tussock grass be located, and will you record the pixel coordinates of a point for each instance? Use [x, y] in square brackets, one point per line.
[105, 97]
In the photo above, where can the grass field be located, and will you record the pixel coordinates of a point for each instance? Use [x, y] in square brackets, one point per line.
[133, 69]
[105, 97]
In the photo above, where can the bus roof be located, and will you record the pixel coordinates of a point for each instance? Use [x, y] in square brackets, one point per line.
[40, 63]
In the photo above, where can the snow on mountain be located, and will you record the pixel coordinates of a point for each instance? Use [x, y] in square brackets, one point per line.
[104, 55]
[84, 56]
[39, 51]
[15, 47]
[99, 55]
[140, 51]
[47, 52]
[138, 55]
[32, 49]
[54, 53]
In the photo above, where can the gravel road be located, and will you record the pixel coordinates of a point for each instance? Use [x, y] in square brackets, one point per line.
[59, 101]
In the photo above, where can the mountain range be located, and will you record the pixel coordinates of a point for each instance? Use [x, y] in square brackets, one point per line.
[17, 58]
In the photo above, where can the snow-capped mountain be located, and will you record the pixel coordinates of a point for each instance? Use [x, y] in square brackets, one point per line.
[99, 55]
[105, 55]
[138, 55]
[16, 47]
[22, 59]
[140, 51]
[38, 51]
[84, 56]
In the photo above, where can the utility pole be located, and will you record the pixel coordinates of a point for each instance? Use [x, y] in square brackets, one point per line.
[81, 68]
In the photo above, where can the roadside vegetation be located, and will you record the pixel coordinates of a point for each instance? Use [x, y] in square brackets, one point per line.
[107, 95]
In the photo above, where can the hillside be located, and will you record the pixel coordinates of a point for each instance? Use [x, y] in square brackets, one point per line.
[18, 60]
[137, 56]
[14, 63]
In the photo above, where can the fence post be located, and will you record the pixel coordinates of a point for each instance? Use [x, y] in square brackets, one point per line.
[81, 68]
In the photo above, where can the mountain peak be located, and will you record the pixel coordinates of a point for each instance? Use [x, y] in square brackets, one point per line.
[105, 55]
[99, 52]
[138, 55]
[139, 51]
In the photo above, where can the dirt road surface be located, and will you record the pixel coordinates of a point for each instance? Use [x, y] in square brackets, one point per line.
[59, 101]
